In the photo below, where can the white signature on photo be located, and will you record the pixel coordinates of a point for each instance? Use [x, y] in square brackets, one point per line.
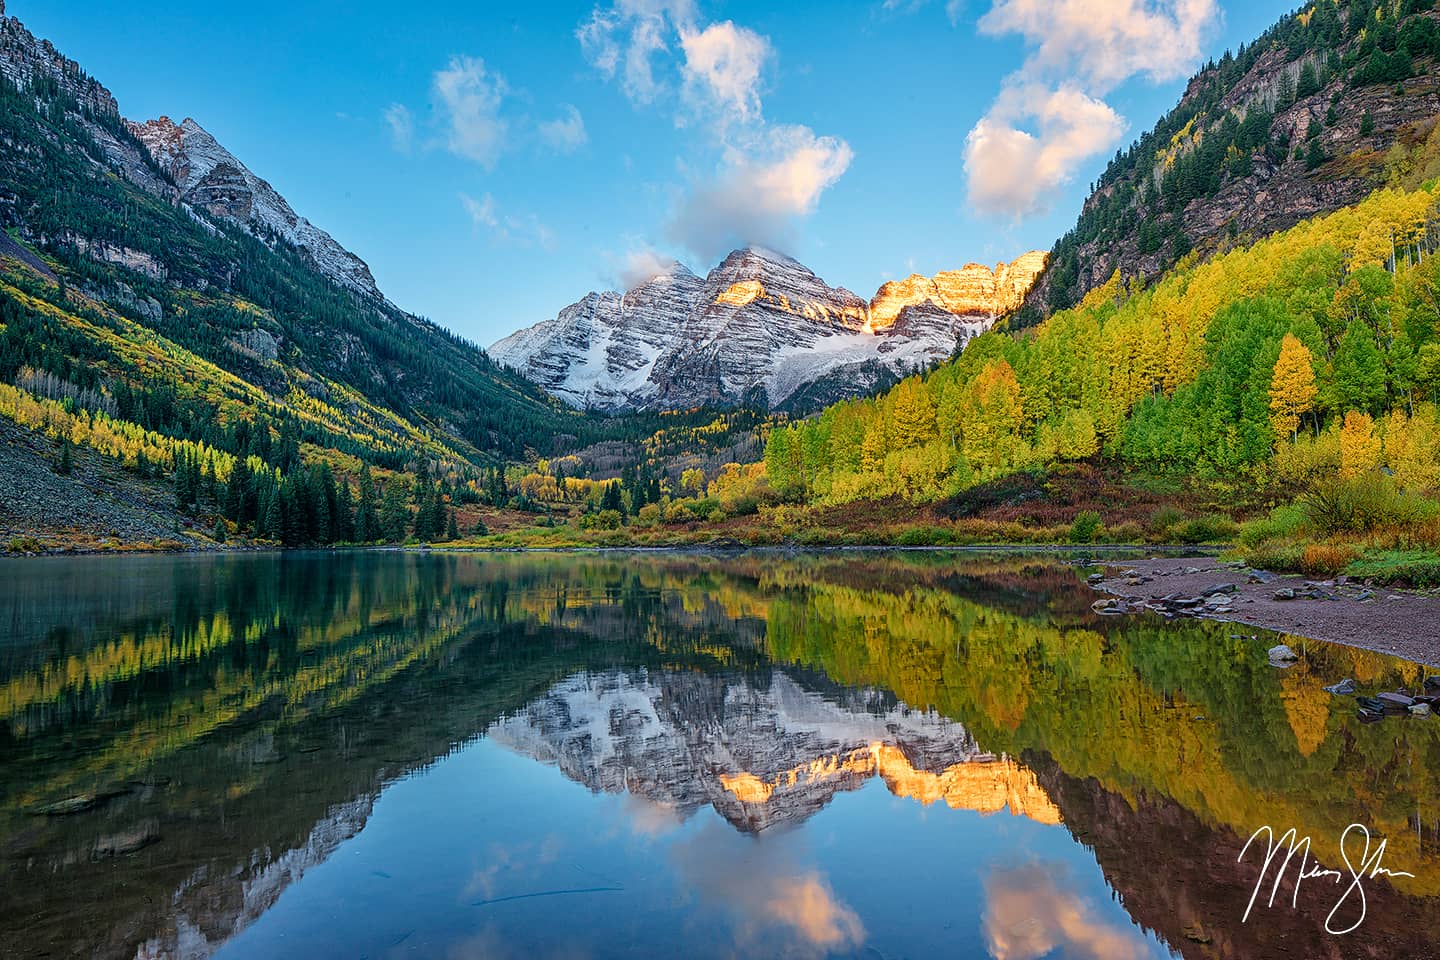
[1367, 867]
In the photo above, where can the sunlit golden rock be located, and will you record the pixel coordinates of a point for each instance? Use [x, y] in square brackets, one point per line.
[742, 292]
[973, 290]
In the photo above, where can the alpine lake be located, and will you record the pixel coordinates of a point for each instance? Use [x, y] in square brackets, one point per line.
[637, 754]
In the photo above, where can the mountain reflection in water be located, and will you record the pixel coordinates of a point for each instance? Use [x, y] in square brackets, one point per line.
[639, 755]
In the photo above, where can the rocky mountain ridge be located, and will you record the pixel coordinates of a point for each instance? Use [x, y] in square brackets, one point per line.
[759, 328]
[210, 178]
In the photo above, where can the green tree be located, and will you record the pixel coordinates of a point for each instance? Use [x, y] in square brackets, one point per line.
[367, 524]
[394, 515]
[1357, 380]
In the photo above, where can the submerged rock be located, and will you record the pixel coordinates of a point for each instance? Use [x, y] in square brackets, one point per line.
[1346, 686]
[1282, 653]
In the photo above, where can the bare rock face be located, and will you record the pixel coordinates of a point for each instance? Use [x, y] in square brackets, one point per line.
[211, 179]
[761, 755]
[760, 328]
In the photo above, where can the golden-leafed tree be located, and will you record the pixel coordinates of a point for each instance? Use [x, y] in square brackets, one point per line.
[914, 416]
[1292, 387]
[1359, 446]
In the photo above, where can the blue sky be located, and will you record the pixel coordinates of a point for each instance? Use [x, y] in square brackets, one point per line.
[494, 162]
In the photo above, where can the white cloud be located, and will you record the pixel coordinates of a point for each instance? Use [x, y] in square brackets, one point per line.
[624, 40]
[954, 9]
[768, 177]
[760, 193]
[482, 211]
[402, 126]
[722, 68]
[566, 133]
[470, 97]
[1013, 171]
[1049, 118]
[520, 230]
[641, 265]
[1102, 43]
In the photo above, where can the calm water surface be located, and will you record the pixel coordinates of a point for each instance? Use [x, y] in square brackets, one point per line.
[878, 755]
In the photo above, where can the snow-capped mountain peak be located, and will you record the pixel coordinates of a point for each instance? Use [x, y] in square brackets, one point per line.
[760, 327]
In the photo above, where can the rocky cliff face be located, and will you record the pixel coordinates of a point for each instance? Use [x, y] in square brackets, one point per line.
[761, 754]
[759, 328]
[211, 179]
[974, 290]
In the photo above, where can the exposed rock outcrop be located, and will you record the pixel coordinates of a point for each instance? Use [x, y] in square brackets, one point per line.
[973, 290]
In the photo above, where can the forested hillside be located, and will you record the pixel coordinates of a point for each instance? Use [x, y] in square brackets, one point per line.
[1305, 367]
[1331, 102]
[152, 344]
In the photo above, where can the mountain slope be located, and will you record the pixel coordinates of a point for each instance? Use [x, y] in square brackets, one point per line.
[760, 328]
[1329, 103]
[187, 243]
[210, 178]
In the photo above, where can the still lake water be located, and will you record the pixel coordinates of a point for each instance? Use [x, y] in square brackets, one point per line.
[637, 755]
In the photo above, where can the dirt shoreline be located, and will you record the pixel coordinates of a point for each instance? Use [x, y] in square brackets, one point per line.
[1404, 623]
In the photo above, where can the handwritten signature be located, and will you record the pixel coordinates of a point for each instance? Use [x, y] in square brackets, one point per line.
[1367, 867]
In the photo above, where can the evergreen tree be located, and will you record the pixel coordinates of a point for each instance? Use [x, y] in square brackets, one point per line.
[367, 524]
[452, 530]
[394, 517]
[345, 514]
[272, 522]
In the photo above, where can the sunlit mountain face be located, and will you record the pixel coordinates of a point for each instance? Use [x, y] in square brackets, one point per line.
[625, 755]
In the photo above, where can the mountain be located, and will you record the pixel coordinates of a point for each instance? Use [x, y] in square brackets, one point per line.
[1329, 103]
[211, 179]
[147, 275]
[765, 754]
[759, 328]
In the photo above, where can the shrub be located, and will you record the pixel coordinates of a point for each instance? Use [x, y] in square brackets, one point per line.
[1130, 532]
[604, 520]
[1206, 529]
[1282, 559]
[1283, 522]
[923, 537]
[1164, 518]
[1364, 503]
[1326, 559]
[1086, 527]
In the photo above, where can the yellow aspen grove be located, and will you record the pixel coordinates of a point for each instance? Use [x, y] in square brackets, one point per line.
[1292, 388]
[1359, 445]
